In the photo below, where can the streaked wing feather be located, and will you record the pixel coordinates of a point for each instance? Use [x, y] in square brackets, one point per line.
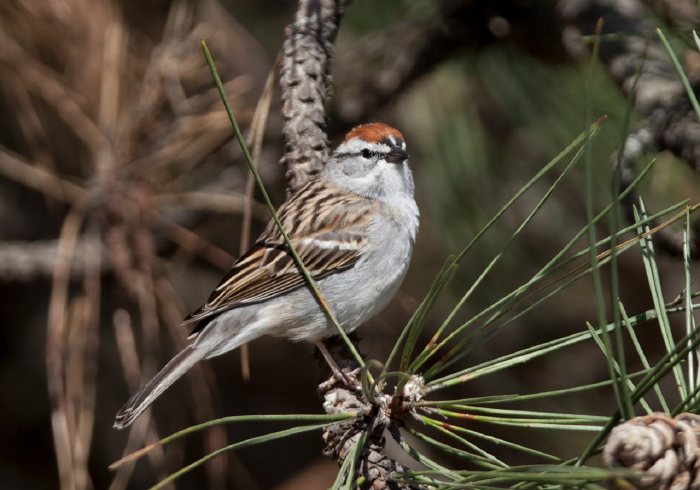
[325, 233]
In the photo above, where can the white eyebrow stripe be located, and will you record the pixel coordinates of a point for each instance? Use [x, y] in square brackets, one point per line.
[396, 142]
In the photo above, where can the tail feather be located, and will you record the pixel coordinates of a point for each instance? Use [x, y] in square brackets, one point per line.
[172, 371]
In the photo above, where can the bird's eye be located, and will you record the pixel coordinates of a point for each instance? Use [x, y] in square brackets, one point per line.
[366, 154]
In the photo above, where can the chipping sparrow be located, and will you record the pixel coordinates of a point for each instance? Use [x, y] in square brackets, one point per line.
[353, 226]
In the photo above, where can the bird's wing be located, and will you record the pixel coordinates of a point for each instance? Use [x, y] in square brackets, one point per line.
[325, 227]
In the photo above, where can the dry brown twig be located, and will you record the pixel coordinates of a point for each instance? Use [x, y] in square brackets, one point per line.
[144, 432]
[62, 422]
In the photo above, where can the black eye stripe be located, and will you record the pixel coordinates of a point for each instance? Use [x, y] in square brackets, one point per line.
[392, 141]
[359, 154]
[389, 141]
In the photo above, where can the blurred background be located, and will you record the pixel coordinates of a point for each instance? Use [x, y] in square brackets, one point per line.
[112, 136]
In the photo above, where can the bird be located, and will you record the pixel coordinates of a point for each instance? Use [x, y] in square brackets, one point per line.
[354, 227]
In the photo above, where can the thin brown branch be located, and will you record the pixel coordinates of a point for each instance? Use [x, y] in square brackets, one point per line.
[62, 424]
[73, 377]
[51, 87]
[232, 203]
[14, 167]
[192, 242]
[27, 261]
[126, 347]
[204, 388]
[255, 140]
[87, 354]
[143, 433]
[146, 270]
[31, 125]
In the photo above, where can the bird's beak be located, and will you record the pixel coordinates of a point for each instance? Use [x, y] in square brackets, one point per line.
[397, 155]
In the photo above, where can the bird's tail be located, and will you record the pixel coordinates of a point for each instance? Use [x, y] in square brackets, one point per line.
[172, 371]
